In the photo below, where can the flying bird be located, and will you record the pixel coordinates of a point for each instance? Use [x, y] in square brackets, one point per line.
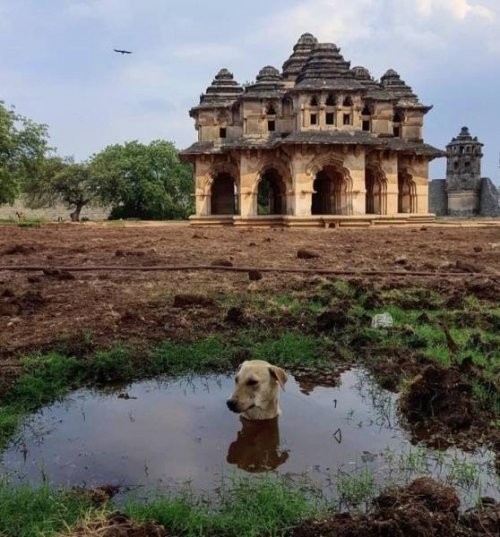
[122, 51]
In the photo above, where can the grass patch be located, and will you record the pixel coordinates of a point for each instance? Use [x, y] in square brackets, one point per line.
[246, 508]
[31, 512]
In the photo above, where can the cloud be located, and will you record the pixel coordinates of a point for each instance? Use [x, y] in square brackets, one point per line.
[460, 9]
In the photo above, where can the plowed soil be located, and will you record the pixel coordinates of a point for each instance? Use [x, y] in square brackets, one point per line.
[41, 308]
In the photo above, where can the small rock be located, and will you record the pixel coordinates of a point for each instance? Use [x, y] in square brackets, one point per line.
[34, 279]
[307, 254]
[252, 244]
[254, 275]
[401, 260]
[382, 320]
[423, 228]
[477, 249]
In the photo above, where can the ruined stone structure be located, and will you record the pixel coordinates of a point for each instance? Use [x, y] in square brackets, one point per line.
[319, 143]
[464, 192]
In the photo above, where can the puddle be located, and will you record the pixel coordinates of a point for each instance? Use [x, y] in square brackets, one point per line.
[165, 433]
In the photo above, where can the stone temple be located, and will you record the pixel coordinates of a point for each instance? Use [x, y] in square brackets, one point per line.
[316, 144]
[464, 192]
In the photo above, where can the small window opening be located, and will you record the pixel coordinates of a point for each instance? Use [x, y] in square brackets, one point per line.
[347, 101]
[222, 132]
[461, 151]
[330, 118]
[314, 101]
[347, 119]
[314, 119]
[366, 111]
[271, 111]
[398, 118]
[397, 131]
[456, 165]
[331, 100]
[366, 126]
[271, 126]
[467, 165]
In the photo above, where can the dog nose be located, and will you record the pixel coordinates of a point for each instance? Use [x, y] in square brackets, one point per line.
[231, 405]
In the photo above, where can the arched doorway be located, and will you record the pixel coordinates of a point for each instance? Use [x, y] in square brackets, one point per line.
[407, 193]
[331, 192]
[376, 192]
[224, 195]
[271, 193]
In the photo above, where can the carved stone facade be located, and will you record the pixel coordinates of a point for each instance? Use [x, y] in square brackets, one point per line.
[315, 143]
[464, 192]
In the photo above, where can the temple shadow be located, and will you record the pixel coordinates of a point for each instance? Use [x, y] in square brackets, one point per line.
[256, 448]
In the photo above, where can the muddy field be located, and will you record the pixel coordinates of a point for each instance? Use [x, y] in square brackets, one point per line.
[38, 309]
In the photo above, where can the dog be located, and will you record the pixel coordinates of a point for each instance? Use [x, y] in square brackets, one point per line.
[256, 396]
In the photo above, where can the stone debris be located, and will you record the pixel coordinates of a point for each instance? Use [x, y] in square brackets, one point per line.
[382, 320]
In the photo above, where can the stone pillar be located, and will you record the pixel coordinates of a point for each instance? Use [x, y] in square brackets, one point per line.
[247, 180]
[302, 182]
[389, 165]
[355, 163]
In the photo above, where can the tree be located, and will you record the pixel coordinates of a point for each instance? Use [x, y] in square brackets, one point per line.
[62, 180]
[23, 148]
[144, 181]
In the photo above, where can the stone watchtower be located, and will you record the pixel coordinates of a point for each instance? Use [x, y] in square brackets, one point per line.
[463, 174]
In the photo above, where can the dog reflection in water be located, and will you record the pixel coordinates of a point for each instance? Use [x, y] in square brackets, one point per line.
[256, 399]
[257, 447]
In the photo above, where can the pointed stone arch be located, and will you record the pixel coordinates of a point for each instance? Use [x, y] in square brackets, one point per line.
[332, 191]
[376, 189]
[407, 193]
[272, 188]
[223, 187]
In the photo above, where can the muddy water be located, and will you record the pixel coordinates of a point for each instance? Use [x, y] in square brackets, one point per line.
[159, 434]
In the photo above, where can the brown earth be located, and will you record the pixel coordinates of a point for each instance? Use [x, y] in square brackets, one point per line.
[424, 508]
[40, 308]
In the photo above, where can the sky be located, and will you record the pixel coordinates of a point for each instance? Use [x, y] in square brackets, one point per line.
[57, 64]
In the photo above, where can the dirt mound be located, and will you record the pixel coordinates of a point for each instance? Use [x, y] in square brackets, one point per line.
[483, 521]
[307, 254]
[27, 303]
[438, 394]
[116, 525]
[19, 249]
[331, 320]
[189, 300]
[425, 508]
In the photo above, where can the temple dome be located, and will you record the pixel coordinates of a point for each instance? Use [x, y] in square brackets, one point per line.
[301, 52]
[223, 88]
[269, 81]
[361, 73]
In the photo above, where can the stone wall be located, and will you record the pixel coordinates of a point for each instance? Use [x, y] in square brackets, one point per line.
[438, 197]
[489, 198]
[8, 212]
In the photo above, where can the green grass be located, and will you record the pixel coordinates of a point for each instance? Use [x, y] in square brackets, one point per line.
[31, 512]
[244, 507]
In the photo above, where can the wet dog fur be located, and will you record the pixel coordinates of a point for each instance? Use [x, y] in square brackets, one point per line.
[256, 395]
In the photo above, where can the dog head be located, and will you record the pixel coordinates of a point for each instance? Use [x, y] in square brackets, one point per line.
[256, 392]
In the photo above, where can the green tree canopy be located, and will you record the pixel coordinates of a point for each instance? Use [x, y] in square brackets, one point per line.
[63, 180]
[23, 148]
[144, 181]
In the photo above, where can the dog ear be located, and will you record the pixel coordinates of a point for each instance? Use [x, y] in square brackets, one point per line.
[279, 375]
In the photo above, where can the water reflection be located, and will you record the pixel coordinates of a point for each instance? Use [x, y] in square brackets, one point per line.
[257, 446]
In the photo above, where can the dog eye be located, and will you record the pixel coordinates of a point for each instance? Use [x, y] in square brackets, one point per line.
[252, 382]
